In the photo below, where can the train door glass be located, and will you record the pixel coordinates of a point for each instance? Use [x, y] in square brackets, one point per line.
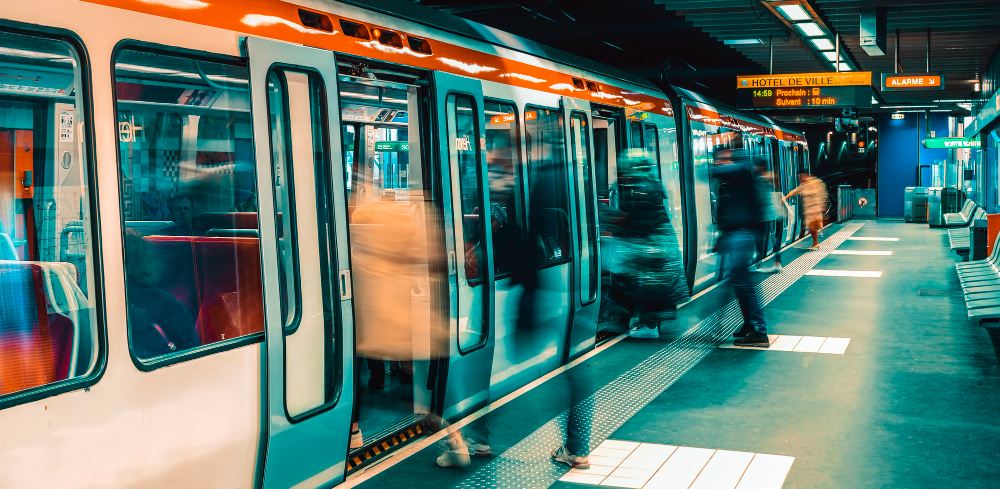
[586, 209]
[308, 329]
[391, 257]
[635, 135]
[49, 327]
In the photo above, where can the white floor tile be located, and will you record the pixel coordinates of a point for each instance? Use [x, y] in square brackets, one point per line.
[582, 478]
[809, 344]
[644, 464]
[766, 472]
[594, 469]
[785, 342]
[723, 471]
[612, 452]
[861, 252]
[611, 461]
[643, 474]
[873, 274]
[836, 346]
[652, 451]
[670, 480]
[623, 482]
[871, 238]
[621, 445]
[729, 344]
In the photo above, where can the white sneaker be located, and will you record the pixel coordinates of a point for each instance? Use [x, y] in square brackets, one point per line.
[644, 333]
[356, 439]
[561, 454]
[454, 455]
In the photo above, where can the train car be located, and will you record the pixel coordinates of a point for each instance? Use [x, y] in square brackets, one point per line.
[197, 203]
[708, 126]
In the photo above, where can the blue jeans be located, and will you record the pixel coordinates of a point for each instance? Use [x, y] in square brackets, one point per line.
[737, 248]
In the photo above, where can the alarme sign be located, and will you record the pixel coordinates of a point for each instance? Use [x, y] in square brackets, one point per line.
[899, 82]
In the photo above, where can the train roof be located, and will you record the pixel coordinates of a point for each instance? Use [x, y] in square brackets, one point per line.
[691, 96]
[457, 25]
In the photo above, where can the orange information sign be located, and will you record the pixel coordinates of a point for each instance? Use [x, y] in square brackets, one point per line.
[859, 78]
[503, 118]
[894, 82]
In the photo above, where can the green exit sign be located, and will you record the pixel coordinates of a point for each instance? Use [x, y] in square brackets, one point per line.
[392, 146]
[951, 143]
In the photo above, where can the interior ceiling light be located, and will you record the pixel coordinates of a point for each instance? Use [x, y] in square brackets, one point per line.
[743, 42]
[810, 29]
[794, 12]
[823, 44]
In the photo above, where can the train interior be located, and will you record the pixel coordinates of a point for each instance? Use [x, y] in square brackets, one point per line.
[391, 223]
[49, 328]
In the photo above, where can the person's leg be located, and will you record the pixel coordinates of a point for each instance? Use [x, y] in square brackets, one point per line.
[740, 247]
[779, 234]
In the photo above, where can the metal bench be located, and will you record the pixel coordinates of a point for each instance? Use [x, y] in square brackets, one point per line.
[980, 281]
[960, 238]
[962, 218]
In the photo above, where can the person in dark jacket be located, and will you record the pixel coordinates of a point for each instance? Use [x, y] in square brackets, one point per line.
[650, 280]
[740, 214]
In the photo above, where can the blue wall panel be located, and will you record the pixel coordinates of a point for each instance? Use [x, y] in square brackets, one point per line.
[897, 162]
[899, 152]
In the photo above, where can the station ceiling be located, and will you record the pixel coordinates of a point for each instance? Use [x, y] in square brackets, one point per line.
[685, 41]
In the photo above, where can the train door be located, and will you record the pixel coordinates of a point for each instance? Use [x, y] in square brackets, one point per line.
[587, 270]
[468, 240]
[308, 380]
[395, 250]
[606, 178]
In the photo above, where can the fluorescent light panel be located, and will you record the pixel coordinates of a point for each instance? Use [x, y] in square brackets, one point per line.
[845, 67]
[743, 42]
[810, 29]
[794, 12]
[831, 55]
[823, 44]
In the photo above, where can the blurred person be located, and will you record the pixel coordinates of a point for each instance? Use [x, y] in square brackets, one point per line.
[767, 213]
[814, 202]
[776, 215]
[740, 207]
[576, 449]
[649, 281]
[158, 322]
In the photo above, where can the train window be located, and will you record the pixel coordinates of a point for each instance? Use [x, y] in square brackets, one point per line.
[503, 165]
[188, 203]
[652, 145]
[48, 316]
[296, 108]
[579, 131]
[545, 140]
[635, 135]
[464, 152]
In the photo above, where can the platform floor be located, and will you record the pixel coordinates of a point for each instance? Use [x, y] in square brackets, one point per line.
[907, 394]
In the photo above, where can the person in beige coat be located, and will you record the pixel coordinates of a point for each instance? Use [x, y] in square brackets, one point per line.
[814, 202]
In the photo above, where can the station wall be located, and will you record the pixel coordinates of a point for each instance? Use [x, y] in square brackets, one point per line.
[900, 154]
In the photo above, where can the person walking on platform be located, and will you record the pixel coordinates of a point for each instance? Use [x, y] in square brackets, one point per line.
[780, 214]
[740, 212]
[814, 201]
[649, 281]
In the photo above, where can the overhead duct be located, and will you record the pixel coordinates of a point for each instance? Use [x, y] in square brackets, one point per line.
[873, 30]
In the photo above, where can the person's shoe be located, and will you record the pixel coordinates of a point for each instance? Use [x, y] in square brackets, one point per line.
[813, 248]
[357, 441]
[562, 455]
[743, 332]
[454, 455]
[644, 333]
[479, 450]
[753, 339]
[776, 269]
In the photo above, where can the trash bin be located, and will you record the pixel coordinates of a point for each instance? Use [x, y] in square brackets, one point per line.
[978, 239]
[935, 214]
[915, 204]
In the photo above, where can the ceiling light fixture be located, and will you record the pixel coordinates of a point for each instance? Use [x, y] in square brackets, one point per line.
[810, 29]
[831, 56]
[743, 42]
[845, 67]
[823, 44]
[794, 12]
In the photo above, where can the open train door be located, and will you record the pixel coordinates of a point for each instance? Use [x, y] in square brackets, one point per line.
[308, 381]
[468, 240]
[587, 262]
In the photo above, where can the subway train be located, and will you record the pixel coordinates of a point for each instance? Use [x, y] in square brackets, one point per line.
[212, 210]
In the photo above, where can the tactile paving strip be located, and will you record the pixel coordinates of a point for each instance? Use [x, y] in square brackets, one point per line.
[528, 465]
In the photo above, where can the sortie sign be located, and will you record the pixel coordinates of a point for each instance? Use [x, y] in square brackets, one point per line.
[860, 78]
[951, 143]
[899, 82]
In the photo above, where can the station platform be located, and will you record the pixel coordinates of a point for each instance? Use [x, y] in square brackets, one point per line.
[875, 378]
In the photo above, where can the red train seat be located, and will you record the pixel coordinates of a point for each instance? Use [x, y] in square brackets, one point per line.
[232, 300]
[178, 275]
